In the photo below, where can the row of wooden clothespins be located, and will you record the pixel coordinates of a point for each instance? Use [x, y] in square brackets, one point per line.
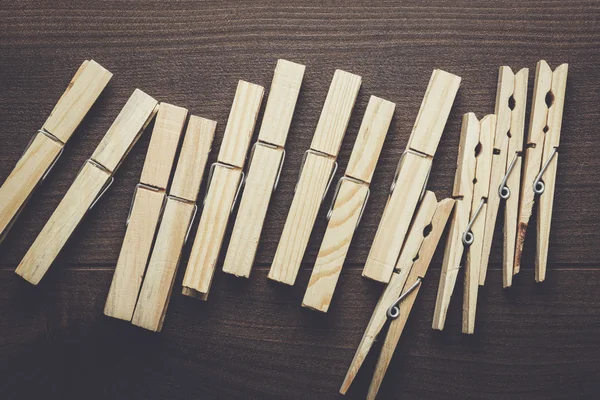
[491, 159]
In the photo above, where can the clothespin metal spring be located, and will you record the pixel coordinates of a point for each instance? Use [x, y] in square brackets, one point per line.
[210, 175]
[503, 190]
[399, 166]
[394, 311]
[538, 183]
[468, 238]
[337, 191]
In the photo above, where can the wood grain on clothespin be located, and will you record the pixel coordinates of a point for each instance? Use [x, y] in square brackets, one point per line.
[511, 101]
[319, 165]
[471, 187]
[47, 144]
[91, 182]
[176, 221]
[264, 168]
[541, 159]
[224, 184]
[349, 201]
[402, 289]
[411, 175]
[142, 222]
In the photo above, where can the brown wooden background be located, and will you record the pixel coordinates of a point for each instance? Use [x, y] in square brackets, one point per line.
[252, 339]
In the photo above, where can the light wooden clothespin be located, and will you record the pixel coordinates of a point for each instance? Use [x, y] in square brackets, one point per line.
[48, 143]
[266, 160]
[146, 206]
[505, 181]
[176, 222]
[94, 178]
[316, 173]
[411, 175]
[401, 292]
[541, 160]
[471, 186]
[224, 183]
[348, 204]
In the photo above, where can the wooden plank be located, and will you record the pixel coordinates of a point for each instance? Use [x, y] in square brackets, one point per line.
[135, 252]
[24, 178]
[336, 111]
[193, 157]
[77, 201]
[369, 142]
[252, 212]
[396, 218]
[463, 192]
[240, 125]
[86, 86]
[156, 291]
[350, 200]
[211, 230]
[551, 142]
[135, 115]
[434, 112]
[313, 181]
[168, 127]
[533, 154]
[281, 103]
[473, 264]
[511, 210]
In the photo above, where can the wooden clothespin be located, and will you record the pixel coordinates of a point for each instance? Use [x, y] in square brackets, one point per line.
[48, 143]
[411, 175]
[266, 160]
[541, 159]
[176, 222]
[505, 181]
[316, 173]
[94, 178]
[471, 186]
[348, 204]
[224, 183]
[146, 206]
[401, 292]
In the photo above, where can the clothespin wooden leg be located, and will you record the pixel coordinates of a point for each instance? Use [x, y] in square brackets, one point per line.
[548, 177]
[47, 144]
[91, 182]
[179, 212]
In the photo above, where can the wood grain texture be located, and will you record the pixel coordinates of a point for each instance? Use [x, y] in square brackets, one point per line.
[193, 157]
[155, 293]
[77, 201]
[207, 245]
[253, 340]
[310, 190]
[336, 112]
[240, 124]
[135, 252]
[164, 142]
[252, 212]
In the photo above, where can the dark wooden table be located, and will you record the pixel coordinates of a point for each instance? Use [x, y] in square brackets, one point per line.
[252, 339]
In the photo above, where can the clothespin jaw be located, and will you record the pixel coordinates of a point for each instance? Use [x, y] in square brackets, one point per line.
[398, 297]
[47, 144]
[316, 173]
[511, 101]
[541, 157]
[348, 204]
[92, 181]
[265, 164]
[176, 220]
[413, 172]
[146, 208]
[471, 187]
[224, 183]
